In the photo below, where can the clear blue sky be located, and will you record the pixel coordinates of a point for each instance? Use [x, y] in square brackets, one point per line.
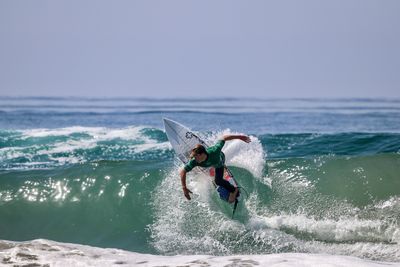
[340, 48]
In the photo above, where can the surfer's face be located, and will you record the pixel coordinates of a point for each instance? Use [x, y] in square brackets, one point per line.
[200, 157]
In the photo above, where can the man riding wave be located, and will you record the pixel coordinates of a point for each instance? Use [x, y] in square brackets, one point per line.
[212, 157]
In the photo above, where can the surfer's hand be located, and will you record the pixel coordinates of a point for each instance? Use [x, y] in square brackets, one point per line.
[245, 138]
[186, 192]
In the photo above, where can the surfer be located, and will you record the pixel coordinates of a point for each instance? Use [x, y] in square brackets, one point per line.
[212, 157]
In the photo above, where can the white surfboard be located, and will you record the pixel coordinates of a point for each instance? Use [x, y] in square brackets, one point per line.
[183, 140]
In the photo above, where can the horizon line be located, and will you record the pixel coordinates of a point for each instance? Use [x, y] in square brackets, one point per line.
[202, 98]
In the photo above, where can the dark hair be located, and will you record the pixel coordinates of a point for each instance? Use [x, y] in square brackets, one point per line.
[199, 149]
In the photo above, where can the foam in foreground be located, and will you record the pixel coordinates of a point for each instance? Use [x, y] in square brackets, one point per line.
[49, 253]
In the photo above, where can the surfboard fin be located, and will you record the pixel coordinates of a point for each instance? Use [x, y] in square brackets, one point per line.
[234, 207]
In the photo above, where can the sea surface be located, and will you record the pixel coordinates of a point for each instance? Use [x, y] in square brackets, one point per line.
[322, 176]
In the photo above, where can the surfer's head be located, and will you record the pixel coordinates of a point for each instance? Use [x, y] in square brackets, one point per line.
[199, 153]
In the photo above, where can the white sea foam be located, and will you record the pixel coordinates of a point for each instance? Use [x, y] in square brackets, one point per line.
[49, 253]
[72, 143]
[43, 132]
[249, 156]
[98, 133]
[342, 230]
[393, 202]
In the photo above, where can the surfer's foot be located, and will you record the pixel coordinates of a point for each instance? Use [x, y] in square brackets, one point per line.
[232, 196]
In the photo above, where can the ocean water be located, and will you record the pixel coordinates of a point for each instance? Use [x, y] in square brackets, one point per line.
[322, 176]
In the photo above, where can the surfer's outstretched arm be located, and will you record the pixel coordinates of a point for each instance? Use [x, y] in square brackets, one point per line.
[183, 181]
[244, 138]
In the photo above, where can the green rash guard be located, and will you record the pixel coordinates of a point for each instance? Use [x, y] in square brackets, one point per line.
[215, 157]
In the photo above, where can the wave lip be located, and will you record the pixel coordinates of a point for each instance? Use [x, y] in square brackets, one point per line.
[43, 252]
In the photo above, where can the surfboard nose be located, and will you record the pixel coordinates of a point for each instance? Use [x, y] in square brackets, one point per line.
[171, 125]
[166, 122]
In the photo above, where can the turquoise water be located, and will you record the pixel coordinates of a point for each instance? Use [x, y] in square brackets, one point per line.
[322, 175]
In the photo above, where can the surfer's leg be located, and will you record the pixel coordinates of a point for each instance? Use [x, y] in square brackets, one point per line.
[232, 196]
[219, 180]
